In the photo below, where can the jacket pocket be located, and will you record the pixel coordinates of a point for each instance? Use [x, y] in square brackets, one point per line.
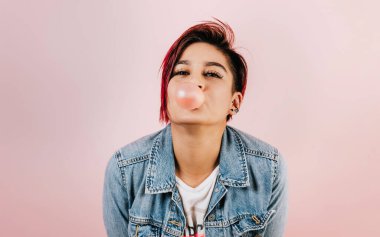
[143, 227]
[252, 225]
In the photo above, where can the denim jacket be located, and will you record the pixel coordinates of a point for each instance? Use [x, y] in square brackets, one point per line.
[140, 197]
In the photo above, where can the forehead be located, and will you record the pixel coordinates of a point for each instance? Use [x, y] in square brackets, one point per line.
[204, 52]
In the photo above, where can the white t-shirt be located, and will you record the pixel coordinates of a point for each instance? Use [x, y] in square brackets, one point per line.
[195, 202]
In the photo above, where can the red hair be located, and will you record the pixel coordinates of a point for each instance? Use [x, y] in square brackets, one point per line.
[218, 34]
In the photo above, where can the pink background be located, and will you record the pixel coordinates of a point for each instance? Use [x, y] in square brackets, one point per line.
[79, 79]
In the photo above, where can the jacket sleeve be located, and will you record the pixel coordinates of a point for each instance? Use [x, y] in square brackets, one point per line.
[278, 201]
[115, 200]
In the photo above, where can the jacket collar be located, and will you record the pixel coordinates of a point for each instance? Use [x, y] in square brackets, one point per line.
[161, 167]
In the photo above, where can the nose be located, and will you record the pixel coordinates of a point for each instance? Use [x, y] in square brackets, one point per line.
[198, 80]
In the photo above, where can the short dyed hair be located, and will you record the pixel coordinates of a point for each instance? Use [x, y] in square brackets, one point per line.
[218, 34]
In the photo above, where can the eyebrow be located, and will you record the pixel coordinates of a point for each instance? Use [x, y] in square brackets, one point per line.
[187, 62]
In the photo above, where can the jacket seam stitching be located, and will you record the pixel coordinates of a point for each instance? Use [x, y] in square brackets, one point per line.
[118, 156]
[130, 161]
[262, 154]
[275, 165]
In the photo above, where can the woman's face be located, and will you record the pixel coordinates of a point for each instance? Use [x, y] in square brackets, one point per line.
[204, 65]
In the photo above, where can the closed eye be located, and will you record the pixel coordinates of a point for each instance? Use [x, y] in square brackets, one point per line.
[181, 72]
[213, 74]
[206, 74]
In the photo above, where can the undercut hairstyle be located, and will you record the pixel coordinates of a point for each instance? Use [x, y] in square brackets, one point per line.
[218, 34]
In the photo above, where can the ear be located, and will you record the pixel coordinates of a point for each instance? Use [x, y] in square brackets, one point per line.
[236, 102]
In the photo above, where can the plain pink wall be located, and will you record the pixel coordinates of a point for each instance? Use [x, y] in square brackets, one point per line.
[79, 79]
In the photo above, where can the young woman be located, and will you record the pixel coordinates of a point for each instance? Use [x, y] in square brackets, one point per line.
[198, 176]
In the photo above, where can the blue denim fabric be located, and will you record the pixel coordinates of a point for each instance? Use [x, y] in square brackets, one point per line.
[140, 197]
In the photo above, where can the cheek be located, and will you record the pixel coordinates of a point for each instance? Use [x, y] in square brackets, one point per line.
[170, 91]
[221, 95]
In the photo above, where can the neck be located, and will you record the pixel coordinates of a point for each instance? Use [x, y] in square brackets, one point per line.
[196, 150]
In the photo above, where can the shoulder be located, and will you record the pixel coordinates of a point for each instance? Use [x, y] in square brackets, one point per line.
[137, 150]
[261, 154]
[255, 146]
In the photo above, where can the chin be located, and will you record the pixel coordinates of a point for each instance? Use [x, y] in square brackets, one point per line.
[193, 117]
[194, 121]
[187, 120]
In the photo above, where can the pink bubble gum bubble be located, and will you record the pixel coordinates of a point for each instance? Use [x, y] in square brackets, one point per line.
[189, 96]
